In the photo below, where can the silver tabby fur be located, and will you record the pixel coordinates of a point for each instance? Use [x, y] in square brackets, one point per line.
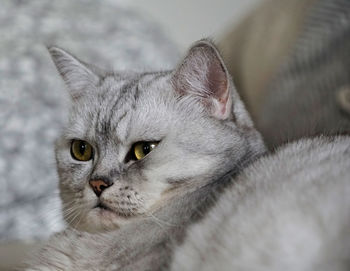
[206, 139]
[288, 211]
[112, 111]
[205, 135]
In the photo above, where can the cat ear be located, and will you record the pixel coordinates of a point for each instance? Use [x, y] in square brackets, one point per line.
[77, 75]
[202, 73]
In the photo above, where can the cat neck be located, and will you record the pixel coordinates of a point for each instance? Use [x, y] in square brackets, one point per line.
[195, 197]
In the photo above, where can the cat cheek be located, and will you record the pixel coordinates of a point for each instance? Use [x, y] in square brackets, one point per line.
[152, 184]
[89, 197]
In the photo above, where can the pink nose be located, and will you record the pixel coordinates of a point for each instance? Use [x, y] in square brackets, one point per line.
[99, 185]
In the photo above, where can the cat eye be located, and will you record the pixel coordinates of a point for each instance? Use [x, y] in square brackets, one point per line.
[141, 149]
[81, 150]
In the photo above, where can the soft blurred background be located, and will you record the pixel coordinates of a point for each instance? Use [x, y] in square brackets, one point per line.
[289, 59]
[118, 34]
[186, 21]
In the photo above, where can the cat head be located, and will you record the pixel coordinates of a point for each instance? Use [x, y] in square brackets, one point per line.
[133, 140]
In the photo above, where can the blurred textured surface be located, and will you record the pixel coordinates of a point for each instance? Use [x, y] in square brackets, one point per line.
[305, 89]
[290, 60]
[33, 100]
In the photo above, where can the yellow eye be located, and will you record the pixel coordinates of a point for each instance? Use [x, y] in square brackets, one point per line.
[141, 149]
[81, 150]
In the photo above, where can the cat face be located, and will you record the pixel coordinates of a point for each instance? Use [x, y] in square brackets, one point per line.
[135, 140]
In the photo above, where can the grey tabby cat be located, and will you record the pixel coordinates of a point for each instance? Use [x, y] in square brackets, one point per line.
[142, 157]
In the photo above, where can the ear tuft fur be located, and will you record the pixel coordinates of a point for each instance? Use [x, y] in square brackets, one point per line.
[77, 75]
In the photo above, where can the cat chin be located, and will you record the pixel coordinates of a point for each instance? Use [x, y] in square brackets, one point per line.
[101, 220]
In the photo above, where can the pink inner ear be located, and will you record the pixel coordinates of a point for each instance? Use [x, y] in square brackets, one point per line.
[218, 86]
[217, 81]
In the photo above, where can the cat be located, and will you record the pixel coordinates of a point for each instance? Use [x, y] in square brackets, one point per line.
[249, 210]
[287, 211]
[143, 156]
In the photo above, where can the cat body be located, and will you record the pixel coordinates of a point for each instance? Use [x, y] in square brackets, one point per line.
[287, 211]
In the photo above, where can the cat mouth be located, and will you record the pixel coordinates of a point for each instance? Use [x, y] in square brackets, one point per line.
[100, 205]
[105, 209]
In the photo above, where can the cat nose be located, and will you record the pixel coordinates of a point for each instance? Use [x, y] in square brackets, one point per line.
[99, 185]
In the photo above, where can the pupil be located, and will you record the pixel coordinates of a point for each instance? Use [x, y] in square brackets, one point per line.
[82, 147]
[146, 149]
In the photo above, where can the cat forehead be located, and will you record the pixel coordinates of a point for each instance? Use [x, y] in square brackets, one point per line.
[145, 94]
[132, 87]
[125, 106]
